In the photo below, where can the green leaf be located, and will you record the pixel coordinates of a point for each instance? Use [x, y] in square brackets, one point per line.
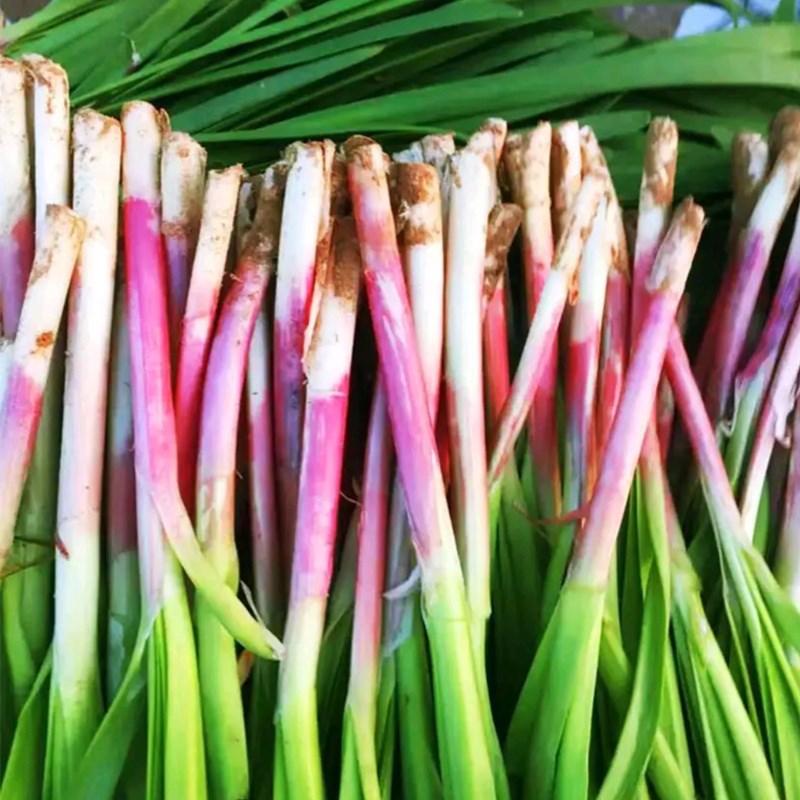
[239, 102]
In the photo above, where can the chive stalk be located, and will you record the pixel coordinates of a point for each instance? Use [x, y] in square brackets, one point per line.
[120, 509]
[42, 307]
[471, 199]
[298, 767]
[199, 316]
[303, 208]
[223, 713]
[156, 459]
[527, 163]
[27, 610]
[551, 751]
[544, 327]
[16, 199]
[183, 175]
[464, 751]
[75, 696]
[749, 265]
[405, 673]
[360, 773]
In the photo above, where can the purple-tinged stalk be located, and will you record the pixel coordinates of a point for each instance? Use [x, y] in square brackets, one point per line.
[504, 221]
[750, 162]
[552, 754]
[772, 425]
[463, 745]
[473, 194]
[527, 164]
[472, 197]
[360, 773]
[27, 612]
[75, 694]
[153, 411]
[42, 308]
[616, 331]
[120, 508]
[645, 596]
[199, 316]
[762, 623]
[183, 175]
[175, 757]
[580, 456]
[304, 205]
[787, 564]
[25, 623]
[405, 671]
[665, 400]
[582, 364]
[268, 591]
[298, 766]
[544, 327]
[733, 308]
[223, 714]
[16, 197]
[753, 381]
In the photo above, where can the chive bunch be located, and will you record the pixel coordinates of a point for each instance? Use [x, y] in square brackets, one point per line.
[391, 474]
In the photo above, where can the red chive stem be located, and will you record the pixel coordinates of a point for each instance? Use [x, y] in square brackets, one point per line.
[462, 736]
[153, 411]
[736, 304]
[595, 544]
[303, 207]
[197, 326]
[328, 378]
[42, 308]
[544, 328]
[183, 175]
[527, 163]
[16, 196]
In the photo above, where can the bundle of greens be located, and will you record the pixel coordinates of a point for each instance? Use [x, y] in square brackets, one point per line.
[566, 569]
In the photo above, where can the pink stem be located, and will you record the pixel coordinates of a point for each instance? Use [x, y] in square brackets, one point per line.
[197, 327]
[701, 435]
[156, 455]
[303, 210]
[16, 197]
[527, 161]
[41, 314]
[495, 355]
[734, 305]
[594, 546]
[544, 328]
[613, 354]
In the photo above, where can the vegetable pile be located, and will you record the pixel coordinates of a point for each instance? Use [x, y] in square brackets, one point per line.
[390, 475]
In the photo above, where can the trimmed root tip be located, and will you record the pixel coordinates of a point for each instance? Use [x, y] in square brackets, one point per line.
[182, 147]
[784, 129]
[504, 221]
[89, 125]
[526, 165]
[749, 162]
[660, 160]
[346, 272]
[419, 216]
[44, 71]
[676, 253]
[143, 116]
[261, 241]
[365, 152]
